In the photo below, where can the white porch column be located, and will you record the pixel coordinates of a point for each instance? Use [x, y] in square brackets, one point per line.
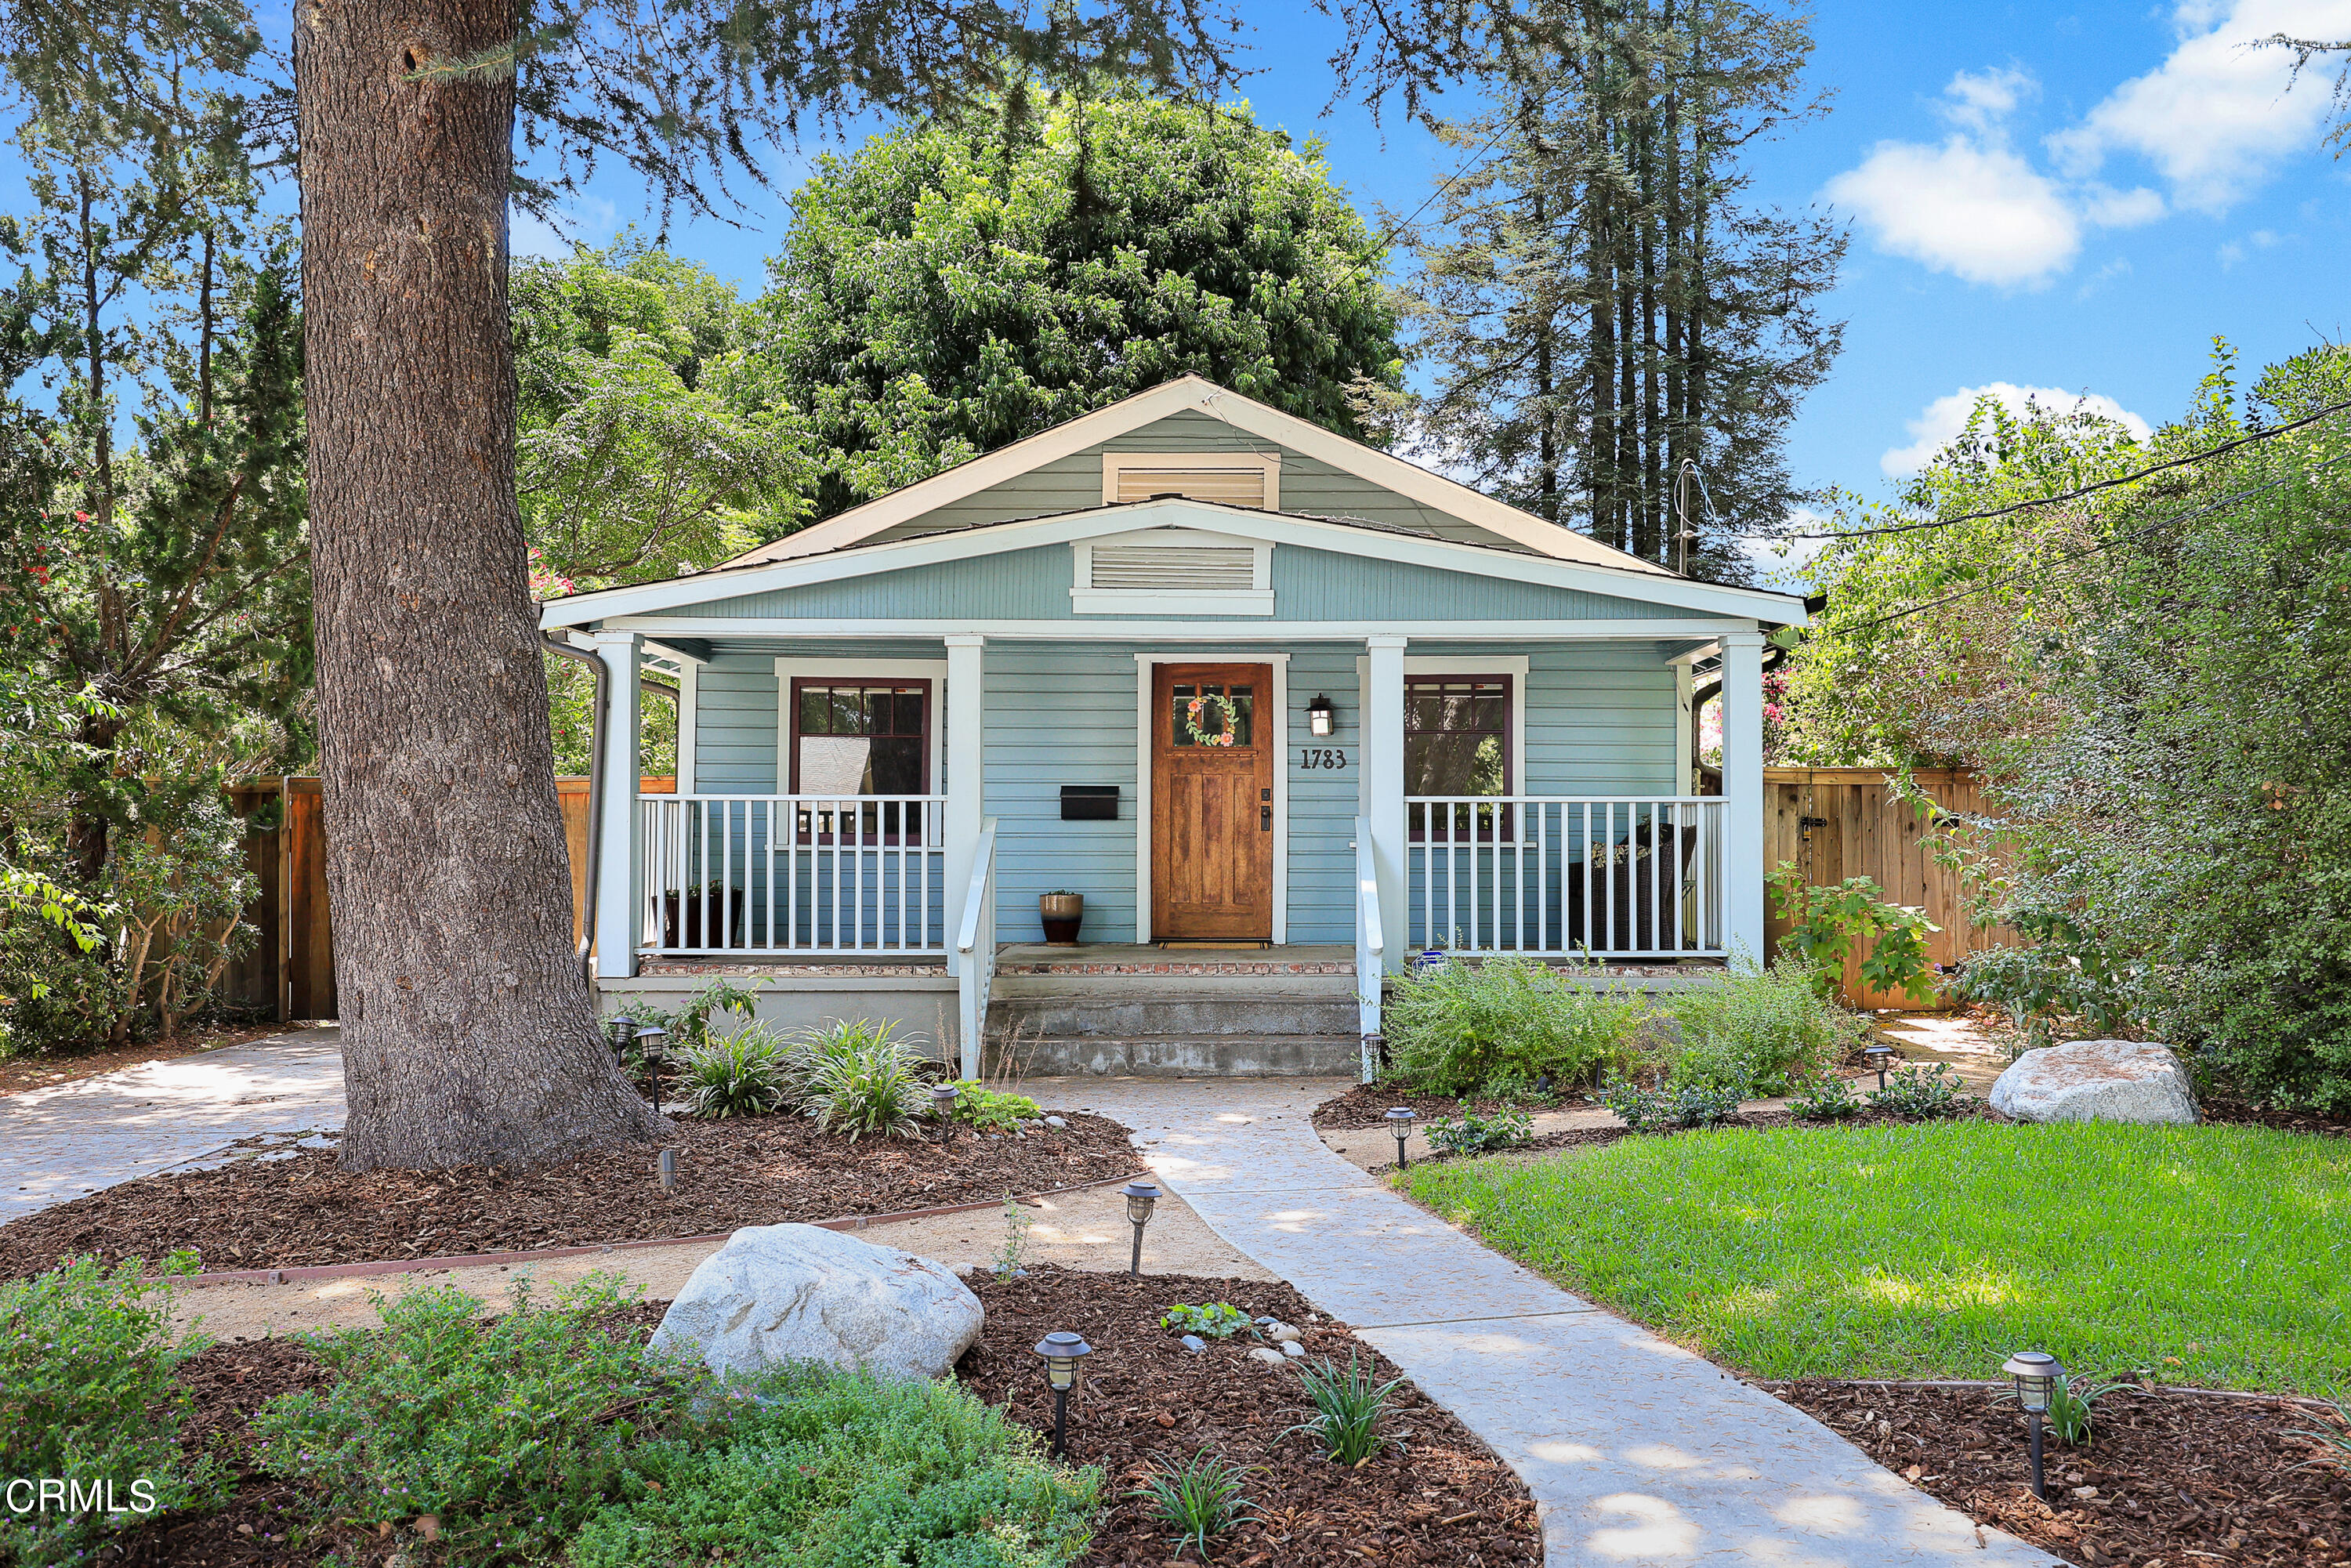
[966, 718]
[1382, 729]
[1743, 794]
[616, 835]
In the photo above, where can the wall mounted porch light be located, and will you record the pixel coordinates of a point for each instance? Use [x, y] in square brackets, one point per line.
[2036, 1372]
[1399, 1120]
[1140, 1196]
[1062, 1351]
[1322, 718]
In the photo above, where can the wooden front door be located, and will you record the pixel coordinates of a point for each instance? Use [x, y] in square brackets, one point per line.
[1212, 802]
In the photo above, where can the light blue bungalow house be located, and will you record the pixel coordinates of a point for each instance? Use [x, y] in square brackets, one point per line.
[1284, 709]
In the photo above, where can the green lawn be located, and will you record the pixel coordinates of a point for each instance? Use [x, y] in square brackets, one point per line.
[1934, 1251]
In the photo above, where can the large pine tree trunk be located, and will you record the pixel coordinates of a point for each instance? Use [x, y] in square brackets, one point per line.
[469, 1033]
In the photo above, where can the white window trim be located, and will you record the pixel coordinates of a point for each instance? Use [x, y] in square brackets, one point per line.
[1267, 462]
[1511, 664]
[1145, 675]
[1087, 600]
[934, 671]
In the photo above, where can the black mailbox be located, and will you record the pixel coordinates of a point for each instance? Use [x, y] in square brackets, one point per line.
[1089, 803]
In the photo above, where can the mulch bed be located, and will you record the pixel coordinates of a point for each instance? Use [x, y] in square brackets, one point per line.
[1366, 1104]
[2184, 1479]
[2226, 1108]
[303, 1211]
[1436, 1495]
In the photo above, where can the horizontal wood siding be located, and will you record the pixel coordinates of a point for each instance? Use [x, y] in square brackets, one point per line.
[1071, 482]
[1600, 720]
[1323, 803]
[738, 707]
[1059, 715]
[1308, 585]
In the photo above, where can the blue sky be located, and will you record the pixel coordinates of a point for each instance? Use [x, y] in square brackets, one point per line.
[2076, 198]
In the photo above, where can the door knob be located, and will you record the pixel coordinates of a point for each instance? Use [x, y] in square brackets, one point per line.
[1265, 818]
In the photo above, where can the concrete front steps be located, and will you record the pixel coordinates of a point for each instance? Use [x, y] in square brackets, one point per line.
[1147, 1012]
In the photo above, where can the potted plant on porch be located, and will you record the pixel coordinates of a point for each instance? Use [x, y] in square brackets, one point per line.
[1062, 911]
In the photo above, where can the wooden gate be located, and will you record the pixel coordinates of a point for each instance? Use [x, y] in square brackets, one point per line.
[1837, 823]
[289, 972]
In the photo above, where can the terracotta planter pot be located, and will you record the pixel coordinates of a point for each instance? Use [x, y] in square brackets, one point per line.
[1061, 913]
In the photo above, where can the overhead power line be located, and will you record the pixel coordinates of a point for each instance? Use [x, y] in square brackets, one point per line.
[2074, 495]
[2135, 535]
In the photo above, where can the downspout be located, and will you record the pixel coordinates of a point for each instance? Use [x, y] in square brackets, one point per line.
[597, 716]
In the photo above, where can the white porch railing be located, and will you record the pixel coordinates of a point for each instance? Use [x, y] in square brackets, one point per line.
[976, 950]
[1370, 945]
[1554, 876]
[785, 875]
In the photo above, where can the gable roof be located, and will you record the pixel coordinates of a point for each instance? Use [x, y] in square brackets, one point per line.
[1341, 534]
[1247, 415]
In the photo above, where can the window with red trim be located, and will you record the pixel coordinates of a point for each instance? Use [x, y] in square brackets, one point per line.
[1457, 743]
[852, 737]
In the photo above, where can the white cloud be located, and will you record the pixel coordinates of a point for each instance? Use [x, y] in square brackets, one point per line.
[1778, 564]
[2235, 251]
[1981, 101]
[588, 220]
[1976, 210]
[2112, 209]
[2215, 115]
[1945, 417]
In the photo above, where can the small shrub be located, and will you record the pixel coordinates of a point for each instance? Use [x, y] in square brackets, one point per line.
[1918, 1094]
[1475, 1134]
[2070, 1404]
[1212, 1320]
[689, 1026]
[512, 1430]
[87, 1395]
[1201, 1497]
[1759, 1030]
[874, 1086]
[744, 1074]
[1505, 1025]
[1007, 1263]
[1831, 1099]
[979, 1106]
[818, 1469]
[1347, 1409]
[1830, 920]
[1673, 1106]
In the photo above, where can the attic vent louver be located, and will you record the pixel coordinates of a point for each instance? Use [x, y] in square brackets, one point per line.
[1228, 486]
[1174, 568]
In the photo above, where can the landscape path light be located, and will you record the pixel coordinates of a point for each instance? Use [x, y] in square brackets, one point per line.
[2036, 1372]
[1399, 1120]
[650, 1041]
[1062, 1351]
[1879, 1055]
[943, 1101]
[619, 1030]
[669, 1170]
[1140, 1196]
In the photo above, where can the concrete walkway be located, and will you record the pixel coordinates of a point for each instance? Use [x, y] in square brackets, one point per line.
[1641, 1453]
[58, 1144]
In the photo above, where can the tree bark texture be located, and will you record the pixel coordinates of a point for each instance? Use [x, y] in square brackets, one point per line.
[469, 1035]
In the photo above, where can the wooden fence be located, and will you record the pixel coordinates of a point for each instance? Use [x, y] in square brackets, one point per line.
[1837, 823]
[290, 971]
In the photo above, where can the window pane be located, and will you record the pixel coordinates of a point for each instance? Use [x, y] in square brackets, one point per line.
[833, 765]
[895, 766]
[1209, 714]
[1453, 765]
[847, 712]
[816, 711]
[877, 710]
[1491, 714]
[910, 713]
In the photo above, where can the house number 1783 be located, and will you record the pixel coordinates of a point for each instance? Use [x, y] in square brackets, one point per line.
[1315, 757]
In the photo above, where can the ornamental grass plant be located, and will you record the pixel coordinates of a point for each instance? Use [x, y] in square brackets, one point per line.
[1505, 1026]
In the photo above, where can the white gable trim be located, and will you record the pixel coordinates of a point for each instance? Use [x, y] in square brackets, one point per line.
[1269, 528]
[1243, 413]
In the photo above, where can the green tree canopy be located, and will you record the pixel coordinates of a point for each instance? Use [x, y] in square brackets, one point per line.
[950, 288]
